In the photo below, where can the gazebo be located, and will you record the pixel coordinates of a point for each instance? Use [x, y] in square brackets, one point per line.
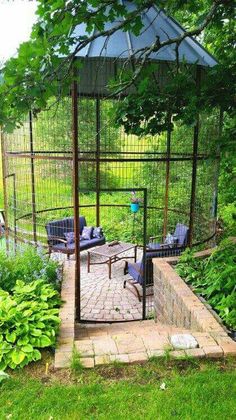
[72, 160]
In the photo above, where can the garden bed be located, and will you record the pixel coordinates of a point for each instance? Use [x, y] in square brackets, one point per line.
[176, 304]
[213, 280]
[29, 306]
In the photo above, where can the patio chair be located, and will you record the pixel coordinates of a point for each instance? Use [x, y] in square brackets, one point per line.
[177, 243]
[155, 250]
[135, 270]
[57, 241]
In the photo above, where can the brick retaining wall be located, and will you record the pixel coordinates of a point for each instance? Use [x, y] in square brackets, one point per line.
[176, 304]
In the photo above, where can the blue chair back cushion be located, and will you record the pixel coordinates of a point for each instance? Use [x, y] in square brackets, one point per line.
[136, 271]
[181, 233]
[57, 228]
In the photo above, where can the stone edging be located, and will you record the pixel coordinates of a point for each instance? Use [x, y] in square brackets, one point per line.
[66, 337]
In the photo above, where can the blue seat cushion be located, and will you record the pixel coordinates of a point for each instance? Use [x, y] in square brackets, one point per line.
[60, 247]
[86, 244]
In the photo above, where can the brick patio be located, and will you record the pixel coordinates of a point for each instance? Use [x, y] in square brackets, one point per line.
[107, 300]
[130, 342]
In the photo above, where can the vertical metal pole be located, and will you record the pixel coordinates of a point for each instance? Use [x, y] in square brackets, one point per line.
[221, 116]
[167, 177]
[144, 250]
[33, 198]
[194, 168]
[98, 125]
[4, 178]
[216, 177]
[14, 204]
[74, 93]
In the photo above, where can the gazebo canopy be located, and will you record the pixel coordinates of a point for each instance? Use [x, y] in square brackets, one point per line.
[156, 23]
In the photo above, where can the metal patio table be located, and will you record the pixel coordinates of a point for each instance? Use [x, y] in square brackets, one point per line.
[111, 253]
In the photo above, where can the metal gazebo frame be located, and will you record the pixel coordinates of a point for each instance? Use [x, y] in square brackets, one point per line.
[95, 53]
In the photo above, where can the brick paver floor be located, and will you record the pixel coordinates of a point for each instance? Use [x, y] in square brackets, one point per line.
[107, 300]
[127, 342]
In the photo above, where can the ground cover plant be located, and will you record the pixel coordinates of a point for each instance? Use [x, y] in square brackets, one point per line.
[159, 389]
[214, 279]
[29, 306]
[27, 265]
[29, 319]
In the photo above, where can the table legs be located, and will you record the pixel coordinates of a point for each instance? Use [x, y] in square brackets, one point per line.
[109, 267]
[88, 262]
[110, 261]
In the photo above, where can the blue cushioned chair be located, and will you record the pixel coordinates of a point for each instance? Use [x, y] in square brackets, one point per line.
[56, 236]
[181, 235]
[155, 250]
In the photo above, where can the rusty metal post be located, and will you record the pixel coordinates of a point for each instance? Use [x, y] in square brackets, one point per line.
[194, 167]
[144, 252]
[15, 211]
[217, 172]
[221, 121]
[75, 174]
[33, 198]
[167, 177]
[98, 125]
[4, 177]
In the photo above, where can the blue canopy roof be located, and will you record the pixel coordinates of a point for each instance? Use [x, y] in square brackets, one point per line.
[156, 24]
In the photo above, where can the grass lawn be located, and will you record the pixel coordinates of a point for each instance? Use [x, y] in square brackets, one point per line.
[194, 390]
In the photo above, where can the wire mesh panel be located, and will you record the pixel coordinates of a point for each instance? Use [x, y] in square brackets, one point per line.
[106, 293]
[48, 186]
[38, 173]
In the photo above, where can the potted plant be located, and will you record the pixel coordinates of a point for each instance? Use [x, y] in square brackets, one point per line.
[134, 202]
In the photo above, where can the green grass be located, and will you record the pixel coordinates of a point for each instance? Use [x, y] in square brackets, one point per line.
[194, 390]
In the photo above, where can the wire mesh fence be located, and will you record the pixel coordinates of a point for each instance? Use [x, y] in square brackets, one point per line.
[39, 182]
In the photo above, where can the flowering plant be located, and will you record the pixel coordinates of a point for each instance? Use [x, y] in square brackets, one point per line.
[134, 199]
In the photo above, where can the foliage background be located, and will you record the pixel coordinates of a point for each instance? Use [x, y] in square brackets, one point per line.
[36, 64]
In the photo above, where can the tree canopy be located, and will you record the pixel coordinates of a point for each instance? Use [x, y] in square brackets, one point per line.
[42, 68]
[39, 71]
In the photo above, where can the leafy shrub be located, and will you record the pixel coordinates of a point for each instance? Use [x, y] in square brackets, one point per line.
[214, 278]
[28, 321]
[29, 265]
[228, 215]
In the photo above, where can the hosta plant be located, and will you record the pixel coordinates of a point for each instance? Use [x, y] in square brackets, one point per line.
[29, 321]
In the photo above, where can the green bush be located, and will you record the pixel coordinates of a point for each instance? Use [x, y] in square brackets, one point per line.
[214, 278]
[228, 216]
[29, 320]
[29, 265]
